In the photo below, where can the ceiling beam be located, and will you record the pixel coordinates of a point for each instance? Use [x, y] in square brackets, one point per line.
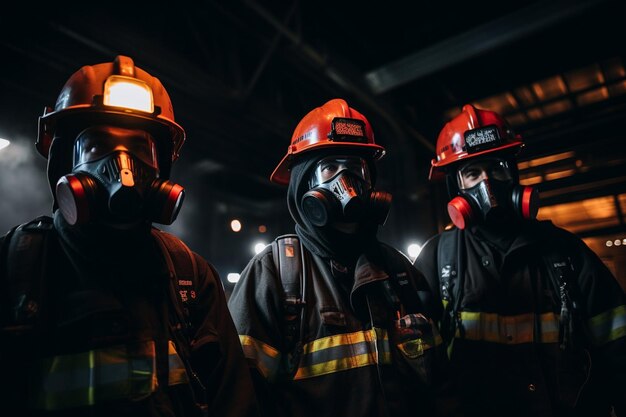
[605, 231]
[492, 35]
[582, 186]
[347, 80]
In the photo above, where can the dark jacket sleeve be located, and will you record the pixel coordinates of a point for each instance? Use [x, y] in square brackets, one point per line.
[604, 322]
[256, 308]
[216, 353]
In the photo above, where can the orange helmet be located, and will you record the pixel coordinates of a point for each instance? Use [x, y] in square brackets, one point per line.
[332, 125]
[472, 133]
[119, 93]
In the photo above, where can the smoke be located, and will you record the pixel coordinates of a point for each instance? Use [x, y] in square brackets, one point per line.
[25, 193]
[24, 190]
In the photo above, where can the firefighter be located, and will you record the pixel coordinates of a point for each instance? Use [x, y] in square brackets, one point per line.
[102, 313]
[331, 320]
[533, 321]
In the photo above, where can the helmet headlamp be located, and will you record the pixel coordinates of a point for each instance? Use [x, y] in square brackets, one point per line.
[129, 93]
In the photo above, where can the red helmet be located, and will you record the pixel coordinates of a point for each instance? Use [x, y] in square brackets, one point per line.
[118, 93]
[470, 134]
[332, 125]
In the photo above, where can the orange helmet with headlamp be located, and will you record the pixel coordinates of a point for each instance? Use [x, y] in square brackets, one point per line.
[120, 122]
[115, 92]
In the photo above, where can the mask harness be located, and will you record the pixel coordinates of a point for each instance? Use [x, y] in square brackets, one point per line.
[491, 200]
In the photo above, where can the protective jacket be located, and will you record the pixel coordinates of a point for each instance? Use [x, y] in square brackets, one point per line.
[359, 352]
[517, 349]
[104, 339]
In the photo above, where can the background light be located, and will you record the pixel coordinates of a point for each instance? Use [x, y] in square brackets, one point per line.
[4, 143]
[235, 225]
[259, 246]
[414, 250]
[232, 277]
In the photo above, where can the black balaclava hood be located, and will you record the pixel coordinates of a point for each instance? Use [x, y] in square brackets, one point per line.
[97, 248]
[327, 241]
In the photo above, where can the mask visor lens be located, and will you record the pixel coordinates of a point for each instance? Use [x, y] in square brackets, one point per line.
[328, 168]
[95, 143]
[473, 172]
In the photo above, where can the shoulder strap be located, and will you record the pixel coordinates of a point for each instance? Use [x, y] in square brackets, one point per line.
[561, 271]
[289, 256]
[183, 272]
[561, 274]
[25, 250]
[446, 266]
[451, 276]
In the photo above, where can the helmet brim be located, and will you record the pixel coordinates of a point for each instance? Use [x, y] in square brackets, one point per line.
[161, 128]
[282, 174]
[438, 168]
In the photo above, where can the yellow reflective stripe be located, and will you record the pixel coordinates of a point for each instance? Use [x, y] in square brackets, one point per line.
[177, 371]
[266, 357]
[87, 378]
[344, 351]
[491, 327]
[344, 339]
[608, 326]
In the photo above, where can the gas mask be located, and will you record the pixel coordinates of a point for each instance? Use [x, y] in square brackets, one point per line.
[489, 194]
[340, 190]
[115, 177]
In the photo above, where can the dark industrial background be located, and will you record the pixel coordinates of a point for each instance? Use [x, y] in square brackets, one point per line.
[241, 74]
